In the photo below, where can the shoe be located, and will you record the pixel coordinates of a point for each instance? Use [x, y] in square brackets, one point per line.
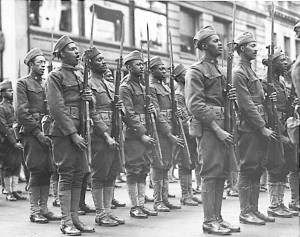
[56, 203]
[171, 196]
[188, 201]
[195, 199]
[83, 228]
[105, 220]
[18, 196]
[81, 213]
[227, 225]
[137, 213]
[113, 206]
[147, 199]
[279, 212]
[10, 198]
[51, 216]
[117, 203]
[148, 211]
[214, 227]
[283, 207]
[86, 208]
[172, 206]
[117, 219]
[160, 207]
[232, 193]
[250, 218]
[69, 230]
[263, 217]
[38, 218]
[294, 207]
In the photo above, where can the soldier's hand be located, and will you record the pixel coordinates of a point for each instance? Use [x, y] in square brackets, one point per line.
[151, 109]
[87, 95]
[147, 139]
[225, 136]
[176, 140]
[45, 141]
[110, 141]
[273, 97]
[269, 133]
[232, 93]
[286, 140]
[119, 105]
[79, 141]
[19, 146]
[178, 113]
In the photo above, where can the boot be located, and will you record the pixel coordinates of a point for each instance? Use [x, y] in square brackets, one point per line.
[141, 198]
[15, 182]
[254, 195]
[43, 205]
[107, 199]
[294, 185]
[246, 215]
[274, 209]
[34, 197]
[135, 210]
[165, 195]
[227, 225]
[75, 198]
[185, 197]
[280, 200]
[56, 202]
[158, 204]
[214, 227]
[190, 190]
[82, 205]
[7, 182]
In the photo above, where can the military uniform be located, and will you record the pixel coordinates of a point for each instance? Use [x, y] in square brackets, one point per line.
[12, 156]
[251, 143]
[30, 109]
[137, 161]
[185, 165]
[205, 99]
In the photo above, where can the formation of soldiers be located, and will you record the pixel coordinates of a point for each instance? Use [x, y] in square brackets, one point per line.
[48, 114]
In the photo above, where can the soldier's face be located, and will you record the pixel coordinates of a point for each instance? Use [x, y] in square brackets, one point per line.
[8, 94]
[109, 76]
[137, 68]
[70, 54]
[250, 50]
[98, 64]
[214, 46]
[159, 72]
[280, 64]
[38, 65]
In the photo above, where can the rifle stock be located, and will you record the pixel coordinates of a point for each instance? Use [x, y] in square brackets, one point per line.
[150, 118]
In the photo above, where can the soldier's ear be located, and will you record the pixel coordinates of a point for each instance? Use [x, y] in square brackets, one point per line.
[242, 48]
[204, 46]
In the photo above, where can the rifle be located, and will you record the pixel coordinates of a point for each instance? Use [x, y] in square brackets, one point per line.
[85, 119]
[50, 66]
[150, 119]
[177, 121]
[117, 126]
[272, 114]
[229, 113]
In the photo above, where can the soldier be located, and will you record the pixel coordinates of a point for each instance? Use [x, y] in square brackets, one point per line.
[65, 96]
[185, 166]
[108, 76]
[160, 95]
[279, 165]
[11, 148]
[30, 109]
[104, 164]
[137, 143]
[205, 99]
[253, 134]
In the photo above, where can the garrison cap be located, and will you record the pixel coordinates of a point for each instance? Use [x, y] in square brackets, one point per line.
[90, 53]
[6, 84]
[244, 38]
[62, 43]
[155, 61]
[277, 52]
[134, 55]
[203, 33]
[179, 69]
[32, 54]
[297, 26]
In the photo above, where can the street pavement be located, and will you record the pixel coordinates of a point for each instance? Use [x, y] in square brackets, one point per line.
[187, 222]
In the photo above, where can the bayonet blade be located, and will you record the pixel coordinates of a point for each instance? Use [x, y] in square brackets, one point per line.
[92, 27]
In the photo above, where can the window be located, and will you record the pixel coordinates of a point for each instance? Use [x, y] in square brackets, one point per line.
[187, 26]
[287, 46]
[107, 20]
[60, 15]
[155, 14]
[297, 48]
[222, 28]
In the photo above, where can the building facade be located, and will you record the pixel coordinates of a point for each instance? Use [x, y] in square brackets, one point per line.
[27, 24]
